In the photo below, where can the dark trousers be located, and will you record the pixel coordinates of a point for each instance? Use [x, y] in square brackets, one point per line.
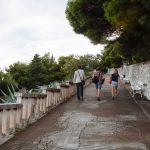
[79, 90]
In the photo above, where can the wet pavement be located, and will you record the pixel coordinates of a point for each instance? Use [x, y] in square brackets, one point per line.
[121, 124]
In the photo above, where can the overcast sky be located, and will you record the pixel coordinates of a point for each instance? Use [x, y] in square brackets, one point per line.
[28, 27]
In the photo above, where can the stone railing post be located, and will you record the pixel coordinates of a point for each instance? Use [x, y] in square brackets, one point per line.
[72, 88]
[44, 104]
[30, 102]
[25, 107]
[54, 96]
[9, 117]
[37, 107]
[49, 97]
[12, 119]
[57, 95]
[64, 91]
[18, 117]
[41, 105]
[5, 119]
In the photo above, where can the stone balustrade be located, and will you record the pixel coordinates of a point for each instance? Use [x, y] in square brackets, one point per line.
[31, 107]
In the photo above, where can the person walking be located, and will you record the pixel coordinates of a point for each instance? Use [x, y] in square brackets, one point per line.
[79, 76]
[98, 78]
[114, 78]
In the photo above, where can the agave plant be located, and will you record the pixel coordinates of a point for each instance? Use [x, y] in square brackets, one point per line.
[9, 98]
[52, 85]
[39, 89]
[35, 91]
[55, 85]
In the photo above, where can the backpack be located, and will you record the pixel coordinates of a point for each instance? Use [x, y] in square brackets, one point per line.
[95, 79]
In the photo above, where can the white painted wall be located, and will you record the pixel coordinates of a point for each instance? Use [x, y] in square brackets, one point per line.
[137, 72]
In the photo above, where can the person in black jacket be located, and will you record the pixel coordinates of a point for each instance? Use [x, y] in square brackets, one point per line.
[114, 83]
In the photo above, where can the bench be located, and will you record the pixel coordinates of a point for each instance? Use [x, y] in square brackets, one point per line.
[121, 77]
[137, 88]
[126, 80]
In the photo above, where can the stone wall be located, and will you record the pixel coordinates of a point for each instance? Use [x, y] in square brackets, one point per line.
[137, 72]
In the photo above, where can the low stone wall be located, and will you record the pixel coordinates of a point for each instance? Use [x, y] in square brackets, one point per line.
[31, 107]
[137, 72]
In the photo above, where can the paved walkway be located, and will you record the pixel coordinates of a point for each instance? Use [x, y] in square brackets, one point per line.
[89, 125]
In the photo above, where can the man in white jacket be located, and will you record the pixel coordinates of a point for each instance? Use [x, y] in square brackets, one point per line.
[79, 75]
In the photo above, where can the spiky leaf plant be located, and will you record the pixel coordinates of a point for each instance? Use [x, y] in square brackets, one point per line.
[9, 98]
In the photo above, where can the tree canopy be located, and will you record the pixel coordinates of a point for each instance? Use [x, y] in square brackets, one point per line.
[128, 21]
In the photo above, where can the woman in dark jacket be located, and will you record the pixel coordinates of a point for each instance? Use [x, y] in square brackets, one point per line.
[114, 83]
